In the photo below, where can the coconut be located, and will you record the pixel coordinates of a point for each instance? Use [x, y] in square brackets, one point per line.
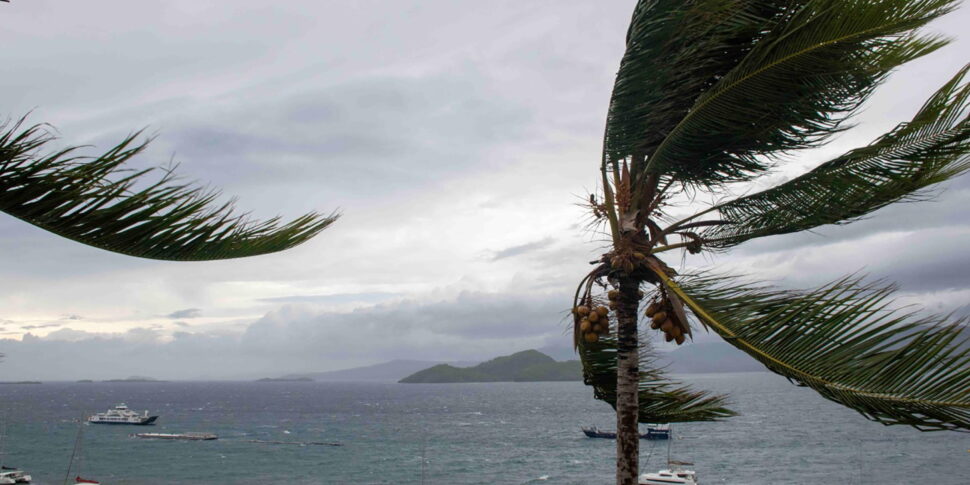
[593, 316]
[613, 294]
[585, 325]
[652, 308]
[603, 311]
[654, 325]
[582, 310]
[668, 337]
[659, 316]
[597, 328]
[679, 339]
[604, 329]
[591, 338]
[676, 331]
[667, 326]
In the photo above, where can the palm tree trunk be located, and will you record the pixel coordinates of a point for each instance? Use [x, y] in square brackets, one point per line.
[627, 383]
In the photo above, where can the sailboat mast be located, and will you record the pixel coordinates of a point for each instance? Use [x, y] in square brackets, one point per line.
[74, 452]
[668, 445]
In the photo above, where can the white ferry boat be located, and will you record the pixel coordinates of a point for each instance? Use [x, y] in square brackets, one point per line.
[122, 415]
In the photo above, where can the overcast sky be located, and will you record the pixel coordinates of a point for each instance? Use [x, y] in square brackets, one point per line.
[456, 138]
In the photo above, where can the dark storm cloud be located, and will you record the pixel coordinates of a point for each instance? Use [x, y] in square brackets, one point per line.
[186, 313]
[470, 326]
[523, 249]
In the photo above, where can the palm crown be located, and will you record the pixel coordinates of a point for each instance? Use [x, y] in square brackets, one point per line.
[714, 92]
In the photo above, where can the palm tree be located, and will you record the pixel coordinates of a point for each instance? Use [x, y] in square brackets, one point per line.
[96, 201]
[717, 92]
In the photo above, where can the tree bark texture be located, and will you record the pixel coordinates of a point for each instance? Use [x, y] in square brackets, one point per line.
[627, 384]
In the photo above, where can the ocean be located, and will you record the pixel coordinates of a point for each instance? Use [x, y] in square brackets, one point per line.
[494, 433]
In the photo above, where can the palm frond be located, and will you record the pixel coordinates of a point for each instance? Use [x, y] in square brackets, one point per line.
[675, 51]
[660, 400]
[931, 148]
[843, 341]
[816, 64]
[93, 200]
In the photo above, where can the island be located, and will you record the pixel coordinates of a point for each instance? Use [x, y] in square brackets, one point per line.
[525, 366]
[285, 379]
[134, 379]
[20, 382]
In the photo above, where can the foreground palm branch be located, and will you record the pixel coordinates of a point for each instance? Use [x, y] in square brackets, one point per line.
[717, 92]
[94, 200]
[931, 148]
[843, 341]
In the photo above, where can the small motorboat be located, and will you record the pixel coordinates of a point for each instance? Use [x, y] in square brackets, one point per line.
[675, 475]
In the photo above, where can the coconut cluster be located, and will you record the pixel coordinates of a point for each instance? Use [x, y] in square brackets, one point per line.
[594, 322]
[663, 317]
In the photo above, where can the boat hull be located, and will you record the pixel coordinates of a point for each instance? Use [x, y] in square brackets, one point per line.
[649, 435]
[144, 422]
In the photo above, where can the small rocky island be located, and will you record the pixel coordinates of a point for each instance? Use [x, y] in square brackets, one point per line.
[525, 366]
[134, 379]
[285, 379]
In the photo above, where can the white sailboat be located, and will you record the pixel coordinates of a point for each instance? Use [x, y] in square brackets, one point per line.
[674, 474]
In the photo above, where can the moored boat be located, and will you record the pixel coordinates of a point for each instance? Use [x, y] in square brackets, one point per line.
[122, 415]
[675, 475]
[11, 473]
[654, 432]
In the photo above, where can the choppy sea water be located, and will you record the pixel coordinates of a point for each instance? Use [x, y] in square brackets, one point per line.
[496, 433]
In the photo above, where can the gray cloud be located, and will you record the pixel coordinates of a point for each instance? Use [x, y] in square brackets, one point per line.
[186, 313]
[72, 317]
[523, 249]
[45, 325]
[182, 324]
[369, 297]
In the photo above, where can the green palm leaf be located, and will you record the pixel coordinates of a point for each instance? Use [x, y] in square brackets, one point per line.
[676, 50]
[931, 148]
[92, 200]
[660, 400]
[795, 86]
[842, 341]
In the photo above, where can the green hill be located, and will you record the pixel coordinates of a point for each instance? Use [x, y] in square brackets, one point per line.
[526, 366]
